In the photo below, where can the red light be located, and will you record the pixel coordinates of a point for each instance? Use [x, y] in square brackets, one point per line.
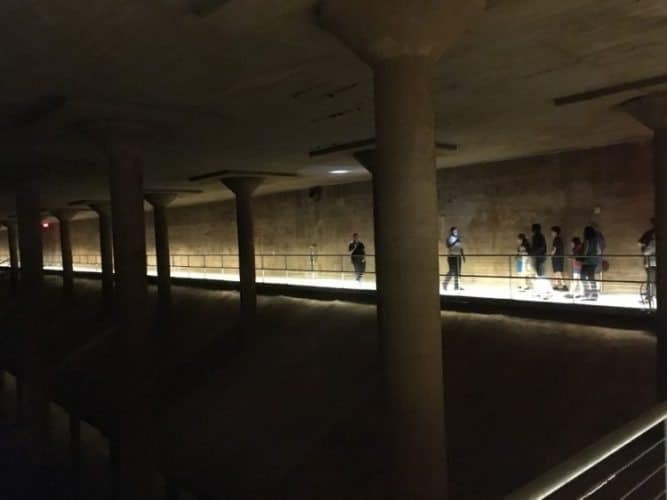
[45, 225]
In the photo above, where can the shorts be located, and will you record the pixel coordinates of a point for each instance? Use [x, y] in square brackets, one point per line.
[557, 264]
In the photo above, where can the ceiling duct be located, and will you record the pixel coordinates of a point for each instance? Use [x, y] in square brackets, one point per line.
[223, 174]
[611, 90]
[364, 143]
[203, 8]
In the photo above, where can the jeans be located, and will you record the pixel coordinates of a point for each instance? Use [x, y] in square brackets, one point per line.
[454, 263]
[588, 275]
[359, 264]
[650, 279]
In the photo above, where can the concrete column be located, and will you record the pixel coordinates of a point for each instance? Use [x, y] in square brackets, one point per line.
[35, 403]
[103, 211]
[135, 455]
[64, 217]
[651, 111]
[13, 246]
[160, 202]
[133, 432]
[243, 188]
[402, 42]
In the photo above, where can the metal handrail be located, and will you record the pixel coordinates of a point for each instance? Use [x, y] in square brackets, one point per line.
[562, 474]
[222, 254]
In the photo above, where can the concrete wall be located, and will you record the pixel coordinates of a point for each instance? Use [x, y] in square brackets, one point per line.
[490, 203]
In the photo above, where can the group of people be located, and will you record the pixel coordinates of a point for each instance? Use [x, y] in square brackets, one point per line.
[586, 256]
[532, 255]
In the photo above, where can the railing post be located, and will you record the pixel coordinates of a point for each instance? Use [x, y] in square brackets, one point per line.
[509, 261]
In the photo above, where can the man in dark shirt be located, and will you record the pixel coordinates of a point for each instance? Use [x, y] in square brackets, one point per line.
[357, 252]
[538, 249]
[558, 259]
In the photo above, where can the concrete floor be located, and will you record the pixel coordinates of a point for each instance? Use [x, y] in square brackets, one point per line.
[298, 413]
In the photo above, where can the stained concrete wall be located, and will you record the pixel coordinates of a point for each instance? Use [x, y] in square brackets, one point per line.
[490, 203]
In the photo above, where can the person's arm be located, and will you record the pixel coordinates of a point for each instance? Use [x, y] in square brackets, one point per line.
[463, 255]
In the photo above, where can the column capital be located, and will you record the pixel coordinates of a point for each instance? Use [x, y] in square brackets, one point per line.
[366, 158]
[100, 207]
[8, 223]
[242, 184]
[650, 110]
[377, 30]
[64, 214]
[165, 197]
[161, 200]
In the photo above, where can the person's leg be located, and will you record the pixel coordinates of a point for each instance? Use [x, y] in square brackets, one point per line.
[355, 264]
[450, 271]
[590, 288]
[651, 270]
[576, 283]
[457, 271]
[595, 283]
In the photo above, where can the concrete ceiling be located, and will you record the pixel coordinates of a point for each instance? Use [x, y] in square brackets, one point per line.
[257, 84]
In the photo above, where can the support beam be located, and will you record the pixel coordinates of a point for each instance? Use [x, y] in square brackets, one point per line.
[160, 201]
[34, 401]
[651, 111]
[103, 211]
[243, 188]
[65, 216]
[402, 42]
[133, 432]
[13, 246]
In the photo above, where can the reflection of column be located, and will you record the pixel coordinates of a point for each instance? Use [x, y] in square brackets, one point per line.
[243, 188]
[64, 217]
[103, 211]
[402, 42]
[133, 433]
[651, 111]
[13, 246]
[160, 202]
[35, 407]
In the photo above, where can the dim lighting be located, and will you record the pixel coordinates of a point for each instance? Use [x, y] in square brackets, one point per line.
[339, 172]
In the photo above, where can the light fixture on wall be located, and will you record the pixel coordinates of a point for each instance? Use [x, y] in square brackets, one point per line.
[340, 171]
[45, 225]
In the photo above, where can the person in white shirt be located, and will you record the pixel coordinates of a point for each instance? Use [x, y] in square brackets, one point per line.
[455, 258]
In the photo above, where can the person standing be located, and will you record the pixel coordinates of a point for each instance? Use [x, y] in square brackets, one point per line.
[455, 258]
[589, 262]
[558, 259]
[357, 252]
[523, 261]
[648, 248]
[538, 250]
[577, 250]
[601, 264]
